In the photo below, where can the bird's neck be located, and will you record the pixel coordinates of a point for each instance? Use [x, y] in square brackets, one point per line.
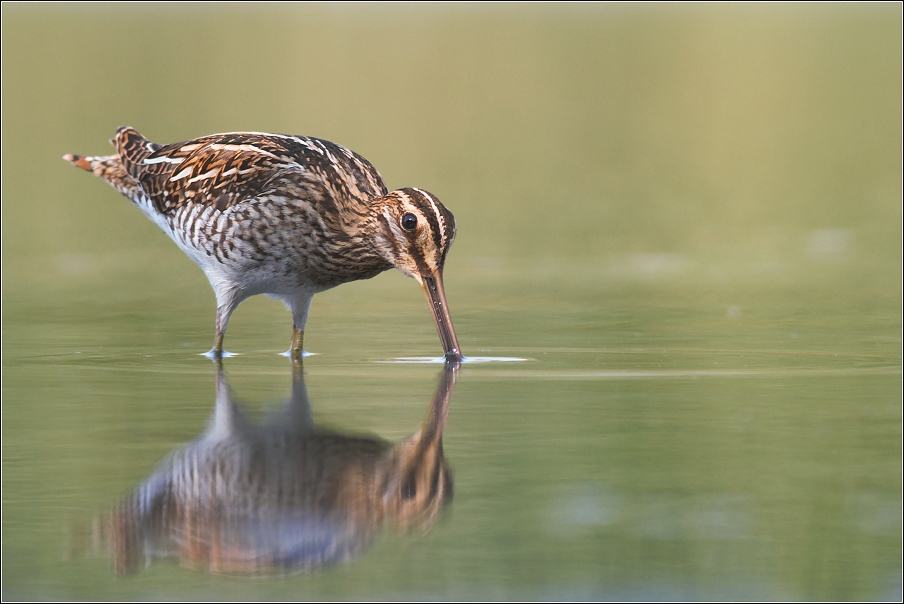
[360, 246]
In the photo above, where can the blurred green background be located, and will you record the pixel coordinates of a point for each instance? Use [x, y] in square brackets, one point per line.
[563, 135]
[637, 189]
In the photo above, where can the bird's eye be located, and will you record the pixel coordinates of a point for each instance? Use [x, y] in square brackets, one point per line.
[409, 221]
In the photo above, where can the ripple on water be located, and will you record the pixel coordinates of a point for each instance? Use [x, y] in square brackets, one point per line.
[441, 360]
[210, 354]
[304, 353]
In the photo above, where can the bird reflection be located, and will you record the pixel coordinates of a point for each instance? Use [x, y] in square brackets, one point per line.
[283, 496]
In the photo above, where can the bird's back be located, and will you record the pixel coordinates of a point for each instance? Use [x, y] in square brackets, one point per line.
[244, 202]
[222, 170]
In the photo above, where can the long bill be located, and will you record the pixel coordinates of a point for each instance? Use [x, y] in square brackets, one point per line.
[436, 297]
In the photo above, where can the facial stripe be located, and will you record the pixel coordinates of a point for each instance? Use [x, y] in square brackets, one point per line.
[439, 217]
[421, 202]
[449, 235]
[422, 263]
[386, 219]
[444, 218]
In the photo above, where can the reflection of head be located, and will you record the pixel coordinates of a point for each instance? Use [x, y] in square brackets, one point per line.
[285, 496]
[420, 483]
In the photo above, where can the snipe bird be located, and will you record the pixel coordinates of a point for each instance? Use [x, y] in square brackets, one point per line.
[287, 216]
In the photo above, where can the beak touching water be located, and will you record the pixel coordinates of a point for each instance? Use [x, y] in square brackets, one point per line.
[436, 297]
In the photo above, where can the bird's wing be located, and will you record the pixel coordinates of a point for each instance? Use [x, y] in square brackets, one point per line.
[223, 170]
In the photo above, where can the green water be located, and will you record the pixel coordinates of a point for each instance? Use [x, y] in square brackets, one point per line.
[687, 219]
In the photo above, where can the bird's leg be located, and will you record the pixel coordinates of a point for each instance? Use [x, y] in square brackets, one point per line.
[217, 350]
[299, 305]
[224, 311]
[297, 344]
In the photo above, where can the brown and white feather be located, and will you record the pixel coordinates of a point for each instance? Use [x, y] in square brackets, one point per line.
[278, 214]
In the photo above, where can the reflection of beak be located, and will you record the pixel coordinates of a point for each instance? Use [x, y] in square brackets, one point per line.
[436, 298]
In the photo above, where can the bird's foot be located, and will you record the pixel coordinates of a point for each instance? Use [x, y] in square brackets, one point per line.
[214, 355]
[296, 354]
[296, 350]
[217, 353]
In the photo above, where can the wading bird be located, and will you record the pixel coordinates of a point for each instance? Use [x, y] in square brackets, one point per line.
[287, 216]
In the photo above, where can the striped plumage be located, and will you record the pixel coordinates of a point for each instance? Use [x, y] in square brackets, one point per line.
[279, 497]
[288, 216]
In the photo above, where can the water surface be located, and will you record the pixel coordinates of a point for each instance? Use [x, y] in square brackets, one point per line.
[685, 221]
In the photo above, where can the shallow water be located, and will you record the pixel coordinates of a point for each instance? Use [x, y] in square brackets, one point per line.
[682, 310]
[736, 459]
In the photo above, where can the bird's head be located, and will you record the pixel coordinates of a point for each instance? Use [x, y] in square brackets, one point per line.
[414, 233]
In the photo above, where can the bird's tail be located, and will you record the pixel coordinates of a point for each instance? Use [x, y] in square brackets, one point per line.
[105, 167]
[110, 169]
